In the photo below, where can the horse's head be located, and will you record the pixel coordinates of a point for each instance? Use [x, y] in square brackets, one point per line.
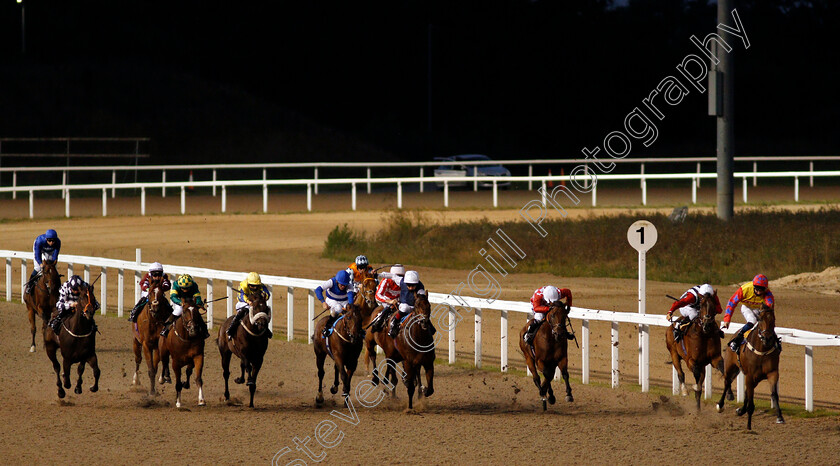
[353, 324]
[422, 308]
[156, 297]
[767, 325]
[191, 316]
[558, 315]
[368, 292]
[708, 309]
[50, 275]
[260, 313]
[87, 302]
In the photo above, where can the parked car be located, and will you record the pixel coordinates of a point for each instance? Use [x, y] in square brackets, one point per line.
[454, 166]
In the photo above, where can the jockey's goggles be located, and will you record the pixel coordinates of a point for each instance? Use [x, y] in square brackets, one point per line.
[156, 273]
[759, 289]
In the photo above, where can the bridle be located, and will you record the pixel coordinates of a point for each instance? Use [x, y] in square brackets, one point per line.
[765, 332]
[369, 294]
[707, 320]
[352, 337]
[558, 328]
[87, 313]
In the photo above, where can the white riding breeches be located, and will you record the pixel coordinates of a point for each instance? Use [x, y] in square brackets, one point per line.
[750, 315]
[177, 310]
[240, 305]
[539, 316]
[335, 306]
[690, 312]
[405, 308]
[144, 294]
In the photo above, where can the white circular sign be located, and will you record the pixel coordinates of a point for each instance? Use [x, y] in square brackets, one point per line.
[641, 235]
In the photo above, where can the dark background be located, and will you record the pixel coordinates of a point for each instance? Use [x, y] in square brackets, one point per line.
[317, 80]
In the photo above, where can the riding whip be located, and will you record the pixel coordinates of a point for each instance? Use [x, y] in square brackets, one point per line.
[669, 296]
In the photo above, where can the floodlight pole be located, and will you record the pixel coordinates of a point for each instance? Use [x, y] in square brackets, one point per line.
[725, 125]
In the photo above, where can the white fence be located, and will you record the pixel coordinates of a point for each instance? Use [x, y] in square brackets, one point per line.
[475, 305]
[354, 182]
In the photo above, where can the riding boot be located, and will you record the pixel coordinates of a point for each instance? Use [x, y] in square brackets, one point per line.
[231, 331]
[678, 332]
[395, 326]
[167, 325]
[55, 323]
[30, 284]
[137, 308]
[735, 344]
[380, 320]
[532, 330]
[330, 321]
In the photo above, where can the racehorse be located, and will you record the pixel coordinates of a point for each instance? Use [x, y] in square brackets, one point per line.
[345, 345]
[43, 298]
[700, 346]
[77, 340]
[185, 343]
[147, 333]
[249, 344]
[389, 349]
[758, 360]
[417, 346]
[549, 351]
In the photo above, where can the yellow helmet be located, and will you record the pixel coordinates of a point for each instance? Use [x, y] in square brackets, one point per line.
[185, 281]
[253, 279]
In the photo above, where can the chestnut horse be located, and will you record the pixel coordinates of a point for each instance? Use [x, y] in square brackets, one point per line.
[185, 343]
[700, 346]
[758, 360]
[147, 333]
[345, 345]
[549, 351]
[417, 346]
[77, 340]
[43, 298]
[249, 344]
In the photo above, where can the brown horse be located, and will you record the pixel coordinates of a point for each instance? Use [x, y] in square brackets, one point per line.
[43, 298]
[417, 346]
[549, 351]
[147, 333]
[389, 349]
[185, 343]
[249, 344]
[77, 340]
[345, 345]
[700, 346]
[758, 360]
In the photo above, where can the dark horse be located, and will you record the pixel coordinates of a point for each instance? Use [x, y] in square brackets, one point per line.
[700, 346]
[147, 332]
[758, 360]
[345, 343]
[549, 351]
[185, 343]
[43, 298]
[249, 344]
[417, 346]
[77, 340]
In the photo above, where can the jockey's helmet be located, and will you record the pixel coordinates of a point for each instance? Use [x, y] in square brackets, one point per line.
[254, 279]
[760, 280]
[185, 281]
[76, 282]
[398, 269]
[550, 294]
[51, 234]
[706, 289]
[342, 278]
[156, 267]
[362, 262]
[412, 277]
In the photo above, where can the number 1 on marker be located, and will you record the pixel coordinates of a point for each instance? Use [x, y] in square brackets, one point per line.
[642, 234]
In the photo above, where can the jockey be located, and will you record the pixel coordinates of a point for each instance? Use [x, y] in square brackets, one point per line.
[388, 295]
[249, 290]
[408, 286]
[185, 286]
[68, 297]
[751, 296]
[156, 272]
[335, 294]
[46, 246]
[689, 306]
[540, 303]
[360, 270]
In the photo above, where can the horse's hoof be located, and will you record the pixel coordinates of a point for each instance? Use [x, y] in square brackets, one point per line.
[429, 391]
[67, 385]
[32, 349]
[167, 379]
[545, 406]
[60, 393]
[239, 380]
[77, 390]
[739, 412]
[94, 388]
[202, 403]
[780, 421]
[187, 385]
[177, 404]
[570, 398]
[551, 399]
[334, 390]
[319, 400]
[719, 407]
[730, 396]
[251, 383]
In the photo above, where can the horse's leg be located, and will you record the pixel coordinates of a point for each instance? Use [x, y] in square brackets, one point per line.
[79, 370]
[164, 371]
[773, 380]
[138, 357]
[66, 365]
[336, 364]
[198, 362]
[252, 379]
[152, 361]
[750, 393]
[176, 367]
[391, 376]
[418, 382]
[346, 377]
[429, 366]
[50, 349]
[675, 360]
[226, 354]
[370, 360]
[699, 377]
[545, 388]
[319, 363]
[564, 370]
[243, 365]
[32, 327]
[187, 375]
[409, 381]
[94, 364]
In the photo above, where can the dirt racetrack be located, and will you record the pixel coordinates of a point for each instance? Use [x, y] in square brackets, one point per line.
[475, 416]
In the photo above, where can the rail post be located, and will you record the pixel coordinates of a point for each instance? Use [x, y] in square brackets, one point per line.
[210, 298]
[584, 352]
[310, 315]
[120, 292]
[103, 289]
[290, 313]
[478, 338]
[503, 354]
[809, 378]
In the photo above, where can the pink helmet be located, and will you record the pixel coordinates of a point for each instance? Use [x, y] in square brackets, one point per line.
[760, 280]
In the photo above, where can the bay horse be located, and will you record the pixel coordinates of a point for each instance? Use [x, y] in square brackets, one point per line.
[758, 360]
[699, 346]
[549, 351]
[43, 298]
[416, 343]
[392, 355]
[249, 344]
[77, 341]
[185, 344]
[147, 333]
[345, 346]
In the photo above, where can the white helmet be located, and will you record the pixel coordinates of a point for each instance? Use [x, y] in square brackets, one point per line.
[706, 289]
[411, 278]
[398, 269]
[156, 267]
[550, 294]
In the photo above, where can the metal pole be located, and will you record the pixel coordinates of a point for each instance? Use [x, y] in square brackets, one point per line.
[503, 354]
[725, 126]
[614, 351]
[478, 338]
[399, 194]
[290, 313]
[584, 352]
